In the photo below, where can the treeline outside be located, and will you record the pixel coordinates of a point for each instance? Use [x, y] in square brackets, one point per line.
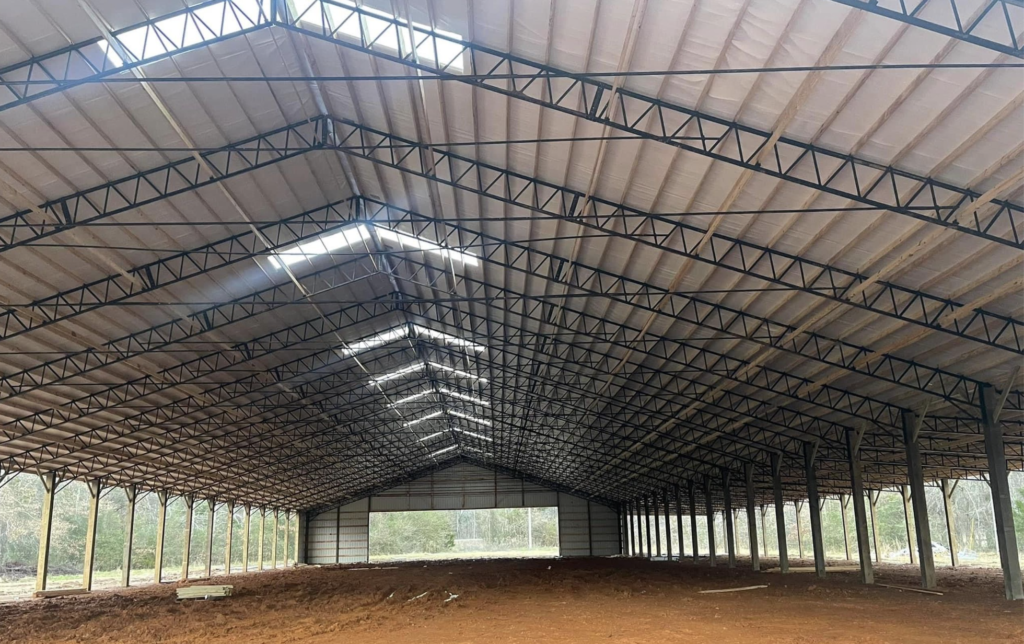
[21, 501]
[529, 531]
[974, 527]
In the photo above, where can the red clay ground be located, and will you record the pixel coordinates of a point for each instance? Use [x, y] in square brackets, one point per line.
[560, 601]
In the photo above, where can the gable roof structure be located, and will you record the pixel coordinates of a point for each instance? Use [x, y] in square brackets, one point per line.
[285, 252]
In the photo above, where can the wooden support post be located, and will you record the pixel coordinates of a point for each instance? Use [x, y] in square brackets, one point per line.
[230, 507]
[287, 531]
[905, 493]
[709, 509]
[727, 516]
[190, 504]
[1002, 507]
[844, 500]
[51, 481]
[131, 494]
[273, 539]
[647, 527]
[668, 528]
[263, 527]
[873, 501]
[915, 471]
[211, 510]
[780, 513]
[245, 537]
[95, 489]
[748, 474]
[691, 490]
[679, 521]
[161, 528]
[948, 487]
[860, 521]
[799, 505]
[817, 543]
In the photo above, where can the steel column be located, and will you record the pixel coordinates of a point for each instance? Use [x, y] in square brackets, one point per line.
[844, 499]
[95, 488]
[911, 550]
[915, 472]
[303, 538]
[813, 504]
[657, 526]
[230, 507]
[131, 493]
[679, 521]
[51, 482]
[798, 505]
[647, 527]
[860, 520]
[209, 537]
[873, 502]
[245, 537]
[668, 528]
[691, 490]
[273, 540]
[287, 530]
[263, 528]
[748, 474]
[1002, 506]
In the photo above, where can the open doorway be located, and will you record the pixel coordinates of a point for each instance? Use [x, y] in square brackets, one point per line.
[463, 534]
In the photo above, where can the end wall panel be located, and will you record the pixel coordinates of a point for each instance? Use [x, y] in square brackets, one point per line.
[573, 526]
[604, 530]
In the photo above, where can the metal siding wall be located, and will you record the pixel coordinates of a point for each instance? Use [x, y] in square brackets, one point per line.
[463, 487]
[323, 538]
[354, 537]
[604, 530]
[573, 526]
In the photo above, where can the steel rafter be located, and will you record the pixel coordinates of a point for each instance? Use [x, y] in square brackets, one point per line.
[149, 186]
[996, 23]
[677, 237]
[805, 164]
[197, 26]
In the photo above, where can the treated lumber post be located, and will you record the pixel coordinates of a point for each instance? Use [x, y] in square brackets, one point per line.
[647, 526]
[230, 506]
[131, 493]
[709, 509]
[860, 520]
[263, 527]
[727, 516]
[813, 504]
[905, 493]
[210, 509]
[95, 488]
[245, 537]
[799, 505]
[911, 432]
[668, 527]
[679, 520]
[995, 450]
[948, 487]
[161, 527]
[691, 489]
[190, 502]
[844, 501]
[273, 539]
[748, 474]
[780, 512]
[657, 526]
[51, 481]
[873, 501]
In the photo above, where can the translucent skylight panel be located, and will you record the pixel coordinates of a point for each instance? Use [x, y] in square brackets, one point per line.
[448, 338]
[473, 434]
[320, 246]
[417, 421]
[411, 241]
[462, 396]
[409, 399]
[397, 374]
[472, 419]
[457, 372]
[377, 340]
[443, 451]
[431, 437]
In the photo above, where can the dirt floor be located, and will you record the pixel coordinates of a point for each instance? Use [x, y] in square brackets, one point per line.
[537, 600]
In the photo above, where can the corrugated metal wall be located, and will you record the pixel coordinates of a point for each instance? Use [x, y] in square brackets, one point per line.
[584, 528]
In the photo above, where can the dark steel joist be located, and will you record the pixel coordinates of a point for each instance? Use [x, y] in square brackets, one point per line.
[994, 24]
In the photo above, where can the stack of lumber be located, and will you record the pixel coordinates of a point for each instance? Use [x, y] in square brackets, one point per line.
[66, 592]
[204, 592]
